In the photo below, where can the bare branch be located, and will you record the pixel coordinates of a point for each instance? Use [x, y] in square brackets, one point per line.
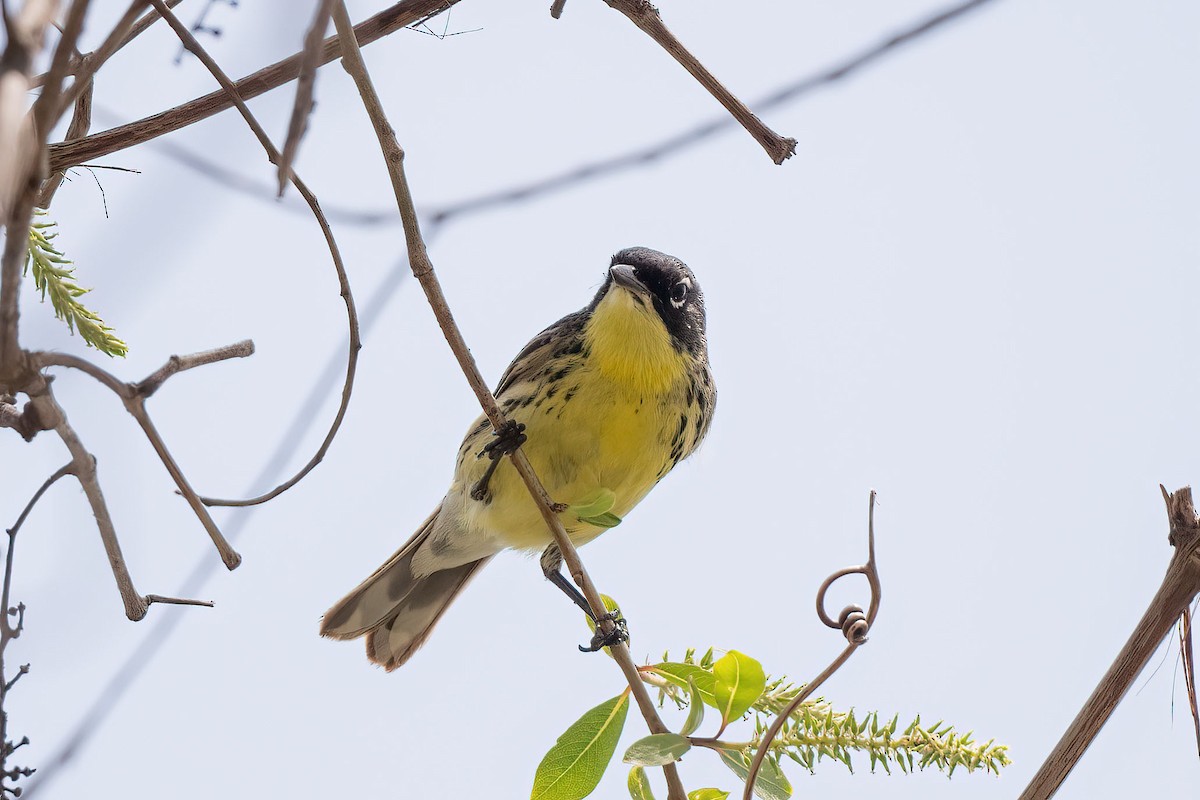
[8, 631]
[81, 123]
[1179, 587]
[85, 67]
[83, 466]
[303, 105]
[679, 143]
[176, 364]
[557, 8]
[854, 624]
[644, 15]
[45, 109]
[391, 19]
[151, 599]
[137, 407]
[422, 269]
[133, 396]
[189, 41]
[135, 31]
[65, 469]
[40, 360]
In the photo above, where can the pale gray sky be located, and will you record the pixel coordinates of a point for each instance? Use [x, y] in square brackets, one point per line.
[973, 289]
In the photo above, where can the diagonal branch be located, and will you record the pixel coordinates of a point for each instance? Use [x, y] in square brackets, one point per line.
[1179, 587]
[69, 154]
[646, 17]
[303, 105]
[422, 269]
[684, 140]
[45, 109]
[8, 631]
[83, 465]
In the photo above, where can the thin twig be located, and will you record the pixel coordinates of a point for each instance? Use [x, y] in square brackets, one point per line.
[45, 108]
[189, 41]
[137, 30]
[177, 601]
[646, 17]
[84, 467]
[137, 408]
[176, 364]
[8, 631]
[303, 105]
[1179, 586]
[423, 270]
[85, 67]
[854, 625]
[679, 143]
[69, 154]
[1187, 654]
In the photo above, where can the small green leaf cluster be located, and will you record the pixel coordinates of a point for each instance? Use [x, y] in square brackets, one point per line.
[736, 685]
[53, 275]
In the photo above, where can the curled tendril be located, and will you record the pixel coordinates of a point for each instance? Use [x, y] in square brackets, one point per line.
[854, 624]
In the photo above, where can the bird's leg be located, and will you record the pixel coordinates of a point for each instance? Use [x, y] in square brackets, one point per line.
[509, 437]
[551, 562]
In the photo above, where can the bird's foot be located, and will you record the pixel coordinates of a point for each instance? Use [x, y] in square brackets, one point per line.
[600, 639]
[510, 436]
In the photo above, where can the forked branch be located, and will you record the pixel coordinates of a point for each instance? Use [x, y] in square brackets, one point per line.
[133, 396]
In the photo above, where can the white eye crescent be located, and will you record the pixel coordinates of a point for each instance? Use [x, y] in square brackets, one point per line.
[679, 293]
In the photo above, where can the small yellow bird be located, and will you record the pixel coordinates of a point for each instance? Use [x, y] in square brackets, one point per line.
[610, 398]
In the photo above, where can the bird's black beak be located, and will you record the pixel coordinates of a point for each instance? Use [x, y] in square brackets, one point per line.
[624, 276]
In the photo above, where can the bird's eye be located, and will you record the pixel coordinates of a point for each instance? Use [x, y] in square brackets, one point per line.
[679, 294]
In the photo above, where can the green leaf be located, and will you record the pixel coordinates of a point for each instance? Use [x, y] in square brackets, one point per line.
[771, 783]
[598, 511]
[576, 762]
[639, 785]
[603, 502]
[739, 682]
[678, 674]
[605, 520]
[707, 794]
[695, 709]
[657, 749]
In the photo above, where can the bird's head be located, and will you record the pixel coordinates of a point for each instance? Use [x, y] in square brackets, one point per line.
[663, 285]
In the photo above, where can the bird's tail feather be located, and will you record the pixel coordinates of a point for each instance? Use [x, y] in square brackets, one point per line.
[393, 608]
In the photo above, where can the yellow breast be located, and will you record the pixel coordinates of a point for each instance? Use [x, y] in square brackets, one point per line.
[607, 425]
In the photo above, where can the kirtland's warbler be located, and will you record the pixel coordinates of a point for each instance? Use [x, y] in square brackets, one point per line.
[610, 398]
